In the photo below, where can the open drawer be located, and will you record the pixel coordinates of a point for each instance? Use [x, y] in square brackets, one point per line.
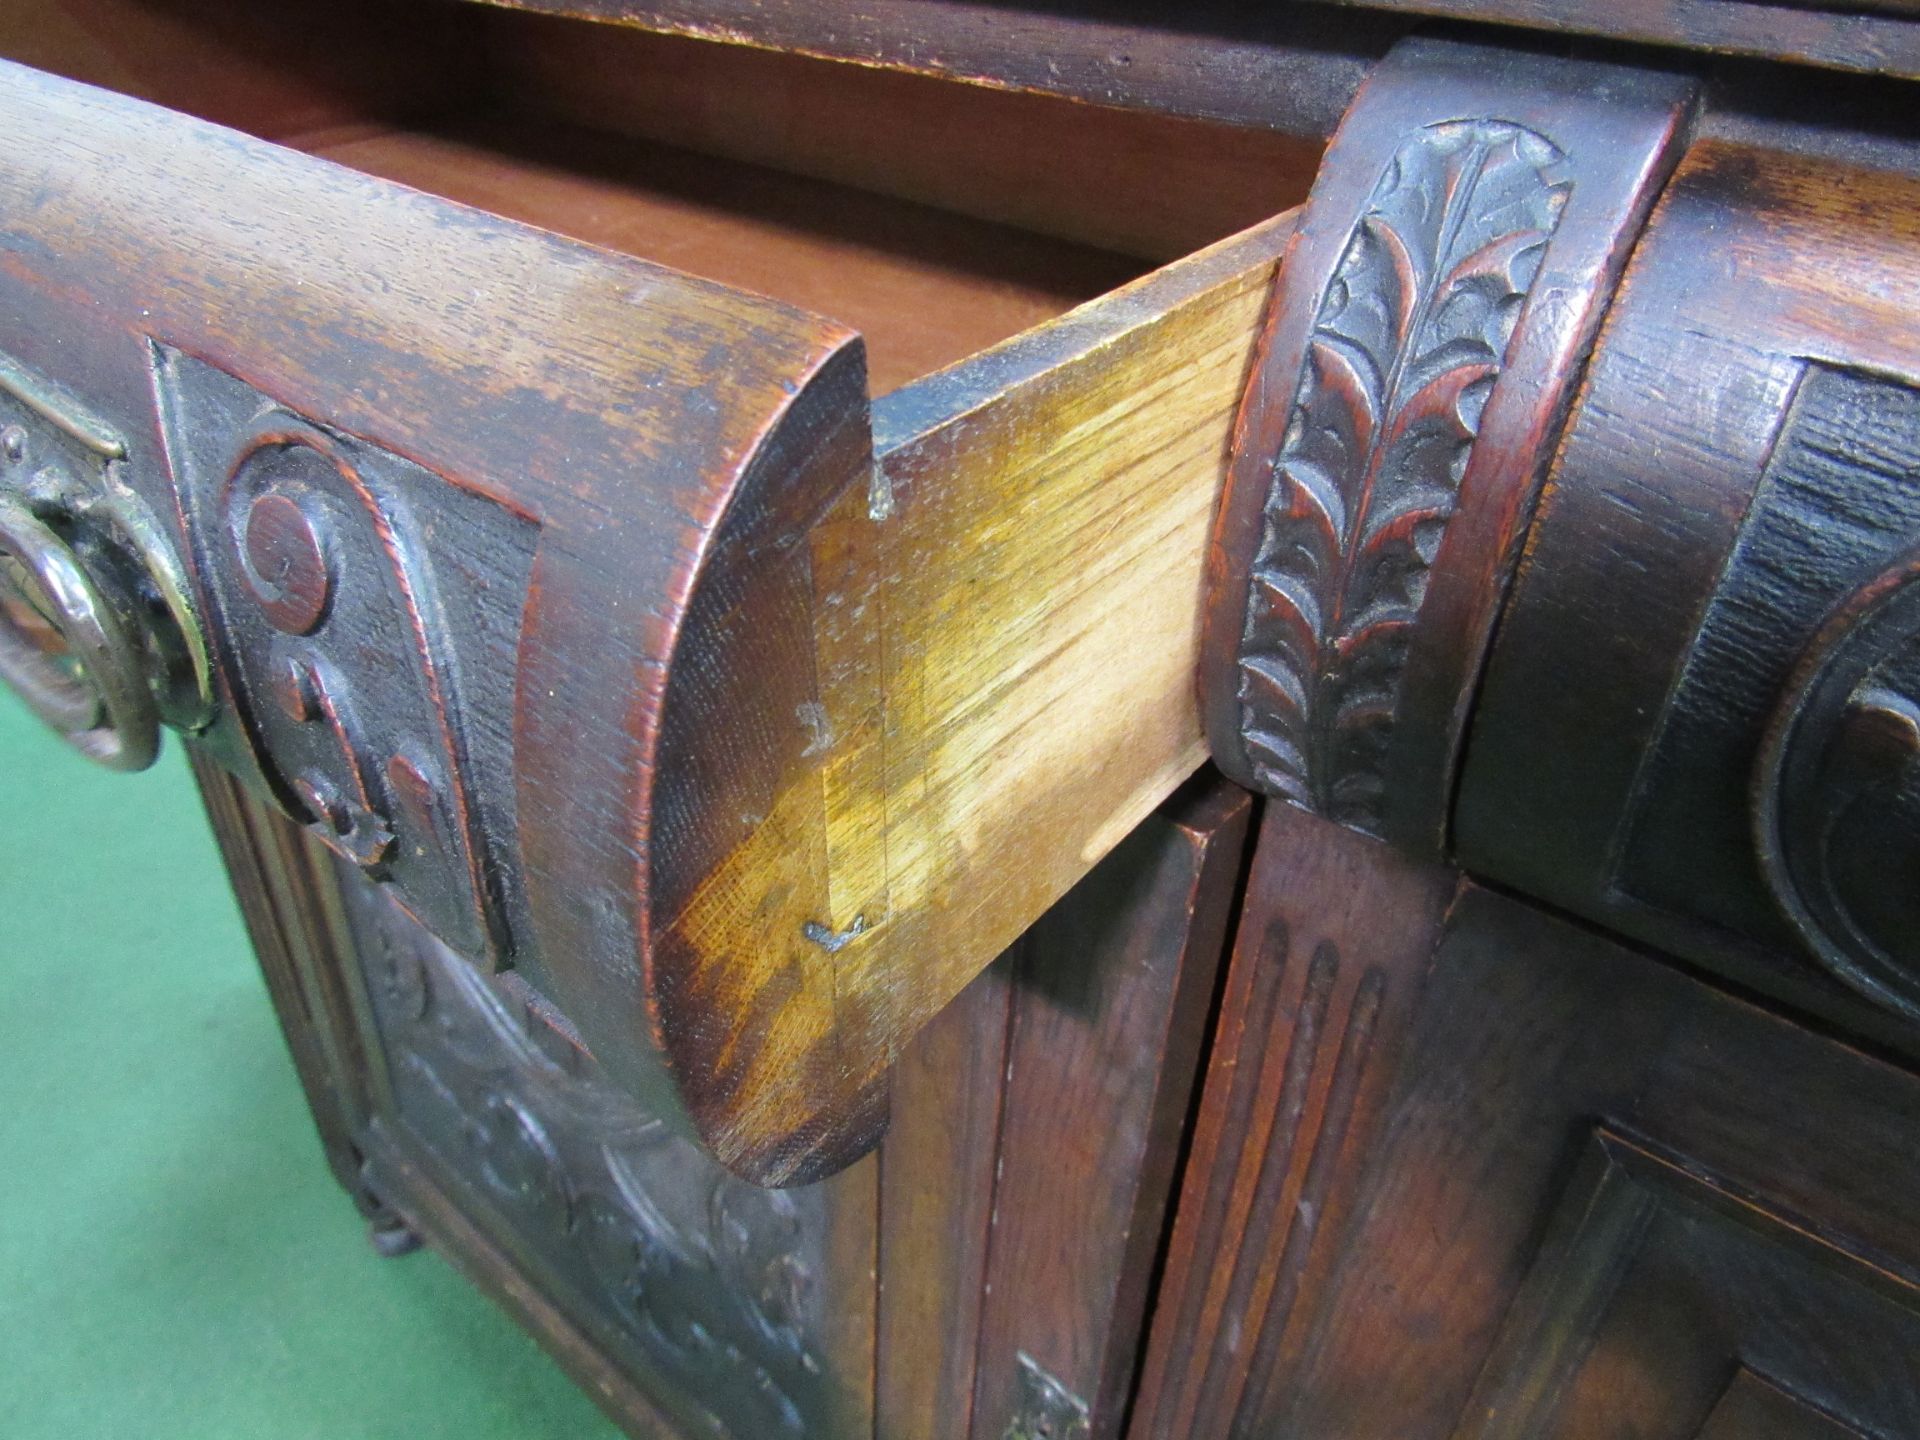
[722, 638]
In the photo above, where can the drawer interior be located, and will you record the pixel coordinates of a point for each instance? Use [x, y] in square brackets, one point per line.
[936, 218]
[925, 287]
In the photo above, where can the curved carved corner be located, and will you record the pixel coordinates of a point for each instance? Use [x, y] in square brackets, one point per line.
[1407, 342]
[1837, 792]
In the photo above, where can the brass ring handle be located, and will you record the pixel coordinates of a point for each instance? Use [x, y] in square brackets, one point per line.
[64, 646]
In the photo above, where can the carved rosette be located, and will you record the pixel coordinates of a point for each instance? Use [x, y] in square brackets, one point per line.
[1408, 341]
[1837, 791]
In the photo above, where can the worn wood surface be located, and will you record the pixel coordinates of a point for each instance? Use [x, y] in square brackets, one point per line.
[1330, 959]
[1436, 309]
[1026, 599]
[1589, 1209]
[1463, 1169]
[938, 1166]
[1031, 1179]
[1291, 70]
[1291, 67]
[1873, 36]
[835, 696]
[1040, 162]
[1733, 471]
[924, 288]
[1113, 993]
[1037, 1124]
[329, 361]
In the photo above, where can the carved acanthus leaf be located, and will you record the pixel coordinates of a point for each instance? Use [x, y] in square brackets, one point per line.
[1408, 340]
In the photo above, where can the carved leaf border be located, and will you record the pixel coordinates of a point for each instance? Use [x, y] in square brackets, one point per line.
[1409, 338]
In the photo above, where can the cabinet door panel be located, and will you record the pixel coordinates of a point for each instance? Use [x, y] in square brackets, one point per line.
[1593, 1193]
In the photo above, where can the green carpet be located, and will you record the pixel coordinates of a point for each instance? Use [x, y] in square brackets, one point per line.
[175, 1260]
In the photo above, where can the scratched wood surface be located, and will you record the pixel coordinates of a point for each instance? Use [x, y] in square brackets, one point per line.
[569, 391]
[844, 693]
[1016, 589]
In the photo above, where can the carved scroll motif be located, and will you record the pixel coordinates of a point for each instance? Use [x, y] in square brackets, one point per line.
[367, 612]
[1407, 343]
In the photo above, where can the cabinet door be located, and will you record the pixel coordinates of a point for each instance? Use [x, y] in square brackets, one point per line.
[1521, 1181]
[988, 1269]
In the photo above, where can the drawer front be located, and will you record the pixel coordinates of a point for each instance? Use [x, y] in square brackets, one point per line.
[593, 609]
[399, 511]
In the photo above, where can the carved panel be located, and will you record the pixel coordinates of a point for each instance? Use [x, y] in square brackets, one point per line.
[1784, 763]
[368, 610]
[1837, 791]
[1427, 332]
[1410, 335]
[711, 1289]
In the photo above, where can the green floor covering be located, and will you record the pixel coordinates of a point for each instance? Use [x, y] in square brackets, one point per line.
[175, 1261]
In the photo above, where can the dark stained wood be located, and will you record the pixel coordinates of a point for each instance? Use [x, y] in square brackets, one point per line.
[937, 1170]
[1739, 464]
[1036, 1128]
[682, 1299]
[1292, 70]
[292, 914]
[325, 368]
[670, 729]
[1873, 36]
[924, 288]
[1589, 1207]
[1292, 67]
[1435, 309]
[1333, 946]
[461, 1105]
[1112, 996]
[279, 71]
[743, 877]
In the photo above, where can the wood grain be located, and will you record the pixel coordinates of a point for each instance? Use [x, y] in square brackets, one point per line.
[1292, 70]
[779, 734]
[924, 289]
[1113, 994]
[1612, 758]
[1553, 1085]
[1329, 963]
[571, 389]
[276, 71]
[1040, 162]
[1221, 60]
[1037, 1126]
[1016, 597]
[1845, 36]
